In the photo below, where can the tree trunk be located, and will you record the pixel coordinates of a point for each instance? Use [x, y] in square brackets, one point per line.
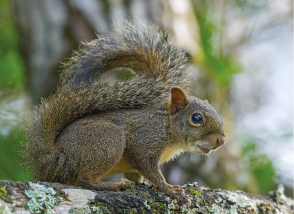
[43, 197]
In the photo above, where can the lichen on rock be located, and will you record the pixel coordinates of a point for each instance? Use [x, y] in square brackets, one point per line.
[44, 197]
[41, 198]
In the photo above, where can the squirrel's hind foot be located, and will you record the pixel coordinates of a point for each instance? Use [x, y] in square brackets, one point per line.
[121, 184]
[124, 184]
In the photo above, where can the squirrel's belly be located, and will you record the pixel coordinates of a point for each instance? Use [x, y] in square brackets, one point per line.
[121, 166]
[170, 153]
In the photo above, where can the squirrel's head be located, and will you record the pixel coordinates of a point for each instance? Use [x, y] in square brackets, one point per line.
[195, 122]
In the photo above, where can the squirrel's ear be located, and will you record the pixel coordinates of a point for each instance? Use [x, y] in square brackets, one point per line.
[178, 99]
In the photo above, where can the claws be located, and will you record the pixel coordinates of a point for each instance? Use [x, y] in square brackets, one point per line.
[186, 200]
[178, 193]
[178, 190]
[125, 184]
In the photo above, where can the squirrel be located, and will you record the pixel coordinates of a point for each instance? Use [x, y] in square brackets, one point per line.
[92, 128]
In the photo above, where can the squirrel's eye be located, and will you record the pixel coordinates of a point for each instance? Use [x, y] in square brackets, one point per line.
[197, 118]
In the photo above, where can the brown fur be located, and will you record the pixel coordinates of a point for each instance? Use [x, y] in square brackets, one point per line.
[91, 129]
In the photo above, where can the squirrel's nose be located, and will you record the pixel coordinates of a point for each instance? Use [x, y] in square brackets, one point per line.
[220, 141]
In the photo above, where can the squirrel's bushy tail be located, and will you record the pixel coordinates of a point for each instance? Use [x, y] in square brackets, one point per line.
[147, 51]
[144, 49]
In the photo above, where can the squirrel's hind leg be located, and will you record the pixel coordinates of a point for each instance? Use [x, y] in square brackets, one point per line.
[100, 145]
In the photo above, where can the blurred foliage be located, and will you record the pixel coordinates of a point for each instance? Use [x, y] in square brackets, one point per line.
[251, 7]
[124, 74]
[259, 165]
[10, 156]
[220, 67]
[12, 74]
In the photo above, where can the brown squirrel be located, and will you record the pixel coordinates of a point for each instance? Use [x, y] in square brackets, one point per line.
[90, 129]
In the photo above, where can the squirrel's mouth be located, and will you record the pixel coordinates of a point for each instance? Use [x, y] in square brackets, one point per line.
[203, 150]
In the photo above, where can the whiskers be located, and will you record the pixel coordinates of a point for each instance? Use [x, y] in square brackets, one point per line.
[184, 159]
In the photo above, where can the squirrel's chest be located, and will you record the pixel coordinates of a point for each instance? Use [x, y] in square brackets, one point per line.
[170, 153]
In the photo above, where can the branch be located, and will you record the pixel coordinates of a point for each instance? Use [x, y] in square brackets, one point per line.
[42, 197]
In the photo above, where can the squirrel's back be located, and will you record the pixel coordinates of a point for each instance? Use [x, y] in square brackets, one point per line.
[145, 50]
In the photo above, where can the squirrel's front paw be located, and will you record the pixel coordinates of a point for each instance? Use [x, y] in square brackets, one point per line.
[175, 192]
[124, 184]
[181, 195]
